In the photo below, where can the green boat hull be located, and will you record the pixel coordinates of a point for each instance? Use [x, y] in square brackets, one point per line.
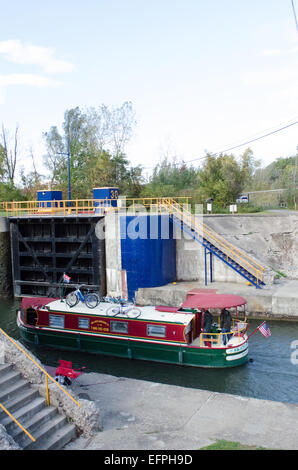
[142, 350]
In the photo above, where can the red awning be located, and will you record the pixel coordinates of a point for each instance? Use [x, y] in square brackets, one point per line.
[206, 301]
[36, 302]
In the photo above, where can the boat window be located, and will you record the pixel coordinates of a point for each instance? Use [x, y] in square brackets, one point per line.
[155, 330]
[119, 327]
[84, 323]
[56, 321]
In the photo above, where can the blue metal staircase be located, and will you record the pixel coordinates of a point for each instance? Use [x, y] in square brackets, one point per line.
[215, 245]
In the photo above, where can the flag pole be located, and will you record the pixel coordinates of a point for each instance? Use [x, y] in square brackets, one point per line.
[255, 330]
[62, 289]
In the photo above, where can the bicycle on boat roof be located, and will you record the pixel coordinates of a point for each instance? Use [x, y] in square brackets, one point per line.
[130, 312]
[91, 299]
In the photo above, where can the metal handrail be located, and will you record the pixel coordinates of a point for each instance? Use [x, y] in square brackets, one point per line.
[17, 422]
[77, 206]
[207, 228]
[47, 376]
[230, 250]
[61, 207]
[215, 337]
[68, 207]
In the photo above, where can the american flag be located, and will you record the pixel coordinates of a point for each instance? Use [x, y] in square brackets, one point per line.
[66, 278]
[264, 329]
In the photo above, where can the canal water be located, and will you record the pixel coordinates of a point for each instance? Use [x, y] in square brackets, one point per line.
[270, 374]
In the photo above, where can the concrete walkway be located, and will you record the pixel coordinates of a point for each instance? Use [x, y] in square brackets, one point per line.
[140, 415]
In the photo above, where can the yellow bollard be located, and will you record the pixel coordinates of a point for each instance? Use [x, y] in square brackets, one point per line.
[48, 391]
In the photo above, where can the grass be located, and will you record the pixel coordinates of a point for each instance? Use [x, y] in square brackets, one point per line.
[279, 274]
[230, 445]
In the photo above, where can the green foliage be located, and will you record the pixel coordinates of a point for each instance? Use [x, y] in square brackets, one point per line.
[280, 174]
[230, 445]
[221, 178]
[9, 192]
[170, 178]
[95, 140]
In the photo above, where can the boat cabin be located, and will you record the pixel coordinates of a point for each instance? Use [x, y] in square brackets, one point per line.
[183, 325]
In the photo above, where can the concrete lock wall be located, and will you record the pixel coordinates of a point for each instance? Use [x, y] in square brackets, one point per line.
[113, 255]
[265, 241]
[271, 239]
[190, 261]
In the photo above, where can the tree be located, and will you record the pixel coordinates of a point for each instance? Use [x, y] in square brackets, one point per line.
[248, 167]
[32, 181]
[96, 140]
[113, 126]
[290, 180]
[115, 171]
[53, 161]
[220, 179]
[169, 178]
[9, 154]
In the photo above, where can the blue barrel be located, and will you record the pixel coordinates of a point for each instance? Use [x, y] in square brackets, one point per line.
[45, 199]
[148, 251]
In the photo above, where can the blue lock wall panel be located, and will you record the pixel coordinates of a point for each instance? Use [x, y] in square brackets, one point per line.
[148, 251]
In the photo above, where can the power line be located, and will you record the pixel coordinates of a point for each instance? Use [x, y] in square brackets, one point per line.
[295, 16]
[237, 146]
[246, 143]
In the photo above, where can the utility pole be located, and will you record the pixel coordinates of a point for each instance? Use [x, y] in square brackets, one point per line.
[68, 157]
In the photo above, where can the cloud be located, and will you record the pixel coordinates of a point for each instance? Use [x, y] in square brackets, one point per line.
[28, 54]
[270, 52]
[278, 52]
[28, 79]
[273, 77]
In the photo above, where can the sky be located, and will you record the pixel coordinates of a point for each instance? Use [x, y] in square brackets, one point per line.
[202, 76]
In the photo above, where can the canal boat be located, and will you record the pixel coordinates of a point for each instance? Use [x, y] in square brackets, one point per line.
[154, 333]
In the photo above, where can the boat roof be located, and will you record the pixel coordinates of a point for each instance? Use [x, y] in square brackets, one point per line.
[148, 313]
[213, 300]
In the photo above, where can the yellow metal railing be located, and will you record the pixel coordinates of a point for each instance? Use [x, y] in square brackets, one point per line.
[17, 422]
[47, 376]
[64, 207]
[83, 206]
[230, 251]
[153, 204]
[177, 206]
[216, 338]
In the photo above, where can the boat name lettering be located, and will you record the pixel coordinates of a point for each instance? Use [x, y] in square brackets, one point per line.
[100, 325]
[238, 349]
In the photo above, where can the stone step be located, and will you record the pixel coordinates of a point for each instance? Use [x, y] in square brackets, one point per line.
[8, 378]
[13, 390]
[57, 440]
[35, 423]
[16, 402]
[50, 429]
[42, 433]
[5, 368]
[23, 414]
